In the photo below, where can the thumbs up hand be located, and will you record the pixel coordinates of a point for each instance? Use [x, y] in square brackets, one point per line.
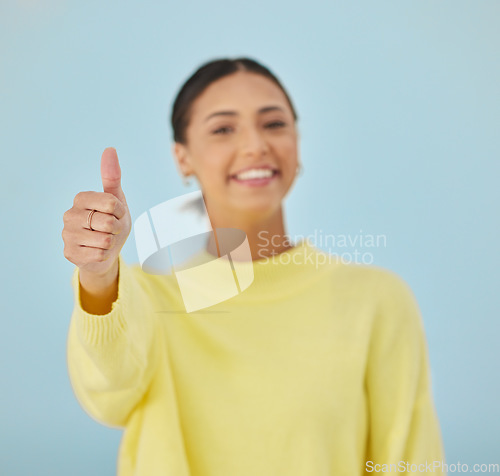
[111, 174]
[98, 224]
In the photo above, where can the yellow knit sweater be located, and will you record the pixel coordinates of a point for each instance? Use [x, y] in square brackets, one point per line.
[319, 368]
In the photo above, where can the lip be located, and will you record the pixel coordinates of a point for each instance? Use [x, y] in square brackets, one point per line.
[257, 182]
[263, 166]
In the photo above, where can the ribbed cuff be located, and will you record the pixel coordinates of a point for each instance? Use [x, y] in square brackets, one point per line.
[94, 329]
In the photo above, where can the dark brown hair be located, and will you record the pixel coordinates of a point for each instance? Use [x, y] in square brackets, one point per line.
[205, 75]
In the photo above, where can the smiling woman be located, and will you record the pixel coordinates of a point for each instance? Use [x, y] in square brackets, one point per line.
[238, 137]
[320, 367]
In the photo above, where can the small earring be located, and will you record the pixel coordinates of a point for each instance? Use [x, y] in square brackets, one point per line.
[186, 180]
[300, 170]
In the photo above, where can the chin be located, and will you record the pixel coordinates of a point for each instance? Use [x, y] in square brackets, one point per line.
[256, 206]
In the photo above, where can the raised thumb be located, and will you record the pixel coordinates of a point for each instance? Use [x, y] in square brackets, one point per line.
[111, 174]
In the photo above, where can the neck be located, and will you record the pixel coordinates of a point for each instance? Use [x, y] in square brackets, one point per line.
[265, 232]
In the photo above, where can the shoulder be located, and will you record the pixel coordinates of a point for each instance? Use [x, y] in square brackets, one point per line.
[376, 278]
[394, 302]
[382, 286]
[380, 294]
[386, 283]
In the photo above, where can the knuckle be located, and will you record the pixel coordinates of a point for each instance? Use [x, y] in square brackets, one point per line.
[67, 216]
[67, 236]
[101, 255]
[110, 203]
[78, 198]
[115, 205]
[109, 223]
[67, 253]
[108, 241]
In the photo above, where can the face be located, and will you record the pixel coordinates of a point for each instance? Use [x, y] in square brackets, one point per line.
[241, 122]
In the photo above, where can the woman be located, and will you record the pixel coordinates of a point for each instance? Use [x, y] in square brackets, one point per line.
[318, 368]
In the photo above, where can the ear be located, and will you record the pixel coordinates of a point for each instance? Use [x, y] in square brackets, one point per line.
[182, 158]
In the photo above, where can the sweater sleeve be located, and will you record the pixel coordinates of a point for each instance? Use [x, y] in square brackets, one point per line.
[111, 358]
[403, 425]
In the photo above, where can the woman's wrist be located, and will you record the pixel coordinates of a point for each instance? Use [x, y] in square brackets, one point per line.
[100, 284]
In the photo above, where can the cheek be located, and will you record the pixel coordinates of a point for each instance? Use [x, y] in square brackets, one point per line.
[213, 168]
[288, 152]
[287, 143]
[213, 159]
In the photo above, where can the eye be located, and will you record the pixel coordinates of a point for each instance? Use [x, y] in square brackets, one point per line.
[275, 124]
[220, 130]
[271, 125]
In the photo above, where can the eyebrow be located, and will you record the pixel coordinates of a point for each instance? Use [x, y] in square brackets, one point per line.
[234, 113]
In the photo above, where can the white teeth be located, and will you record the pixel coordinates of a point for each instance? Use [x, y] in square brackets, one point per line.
[255, 174]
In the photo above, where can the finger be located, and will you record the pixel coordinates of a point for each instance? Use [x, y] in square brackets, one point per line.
[85, 255]
[103, 222]
[96, 239]
[100, 201]
[111, 174]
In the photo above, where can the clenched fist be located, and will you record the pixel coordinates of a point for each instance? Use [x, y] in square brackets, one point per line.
[93, 239]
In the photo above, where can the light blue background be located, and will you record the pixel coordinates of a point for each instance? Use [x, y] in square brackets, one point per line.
[399, 115]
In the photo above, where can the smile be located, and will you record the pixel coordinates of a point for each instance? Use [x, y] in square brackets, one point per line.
[255, 177]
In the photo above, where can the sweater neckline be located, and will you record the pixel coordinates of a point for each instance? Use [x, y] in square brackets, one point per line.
[279, 275]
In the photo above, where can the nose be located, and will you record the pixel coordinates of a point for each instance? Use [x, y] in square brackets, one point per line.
[253, 142]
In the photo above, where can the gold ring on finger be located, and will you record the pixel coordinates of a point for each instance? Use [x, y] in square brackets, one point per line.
[89, 219]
